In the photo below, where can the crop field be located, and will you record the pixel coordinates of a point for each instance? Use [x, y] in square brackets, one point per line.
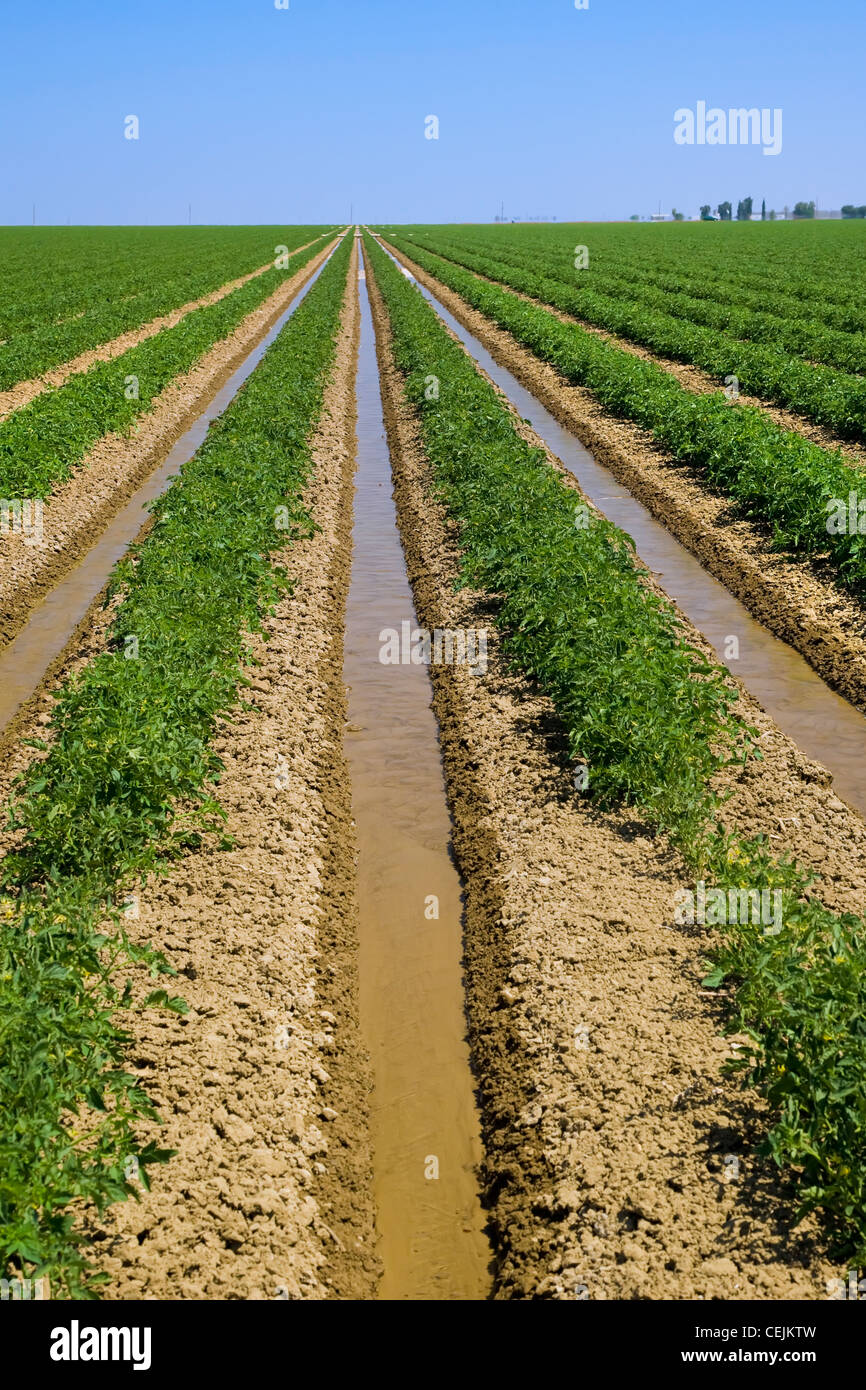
[433, 711]
[67, 291]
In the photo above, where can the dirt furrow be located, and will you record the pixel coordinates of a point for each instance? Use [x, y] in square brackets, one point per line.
[23, 392]
[620, 1162]
[796, 599]
[79, 509]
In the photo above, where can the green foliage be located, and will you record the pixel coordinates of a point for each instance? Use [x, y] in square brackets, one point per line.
[43, 442]
[129, 781]
[800, 999]
[780, 479]
[64, 290]
[780, 290]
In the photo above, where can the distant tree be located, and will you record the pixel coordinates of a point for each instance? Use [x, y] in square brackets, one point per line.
[744, 209]
[677, 216]
[635, 217]
[763, 209]
[772, 214]
[706, 215]
[804, 209]
[724, 211]
[849, 210]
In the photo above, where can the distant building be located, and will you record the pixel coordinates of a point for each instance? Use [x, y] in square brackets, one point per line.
[826, 216]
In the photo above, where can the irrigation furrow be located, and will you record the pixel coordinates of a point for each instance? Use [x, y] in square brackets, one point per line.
[425, 1130]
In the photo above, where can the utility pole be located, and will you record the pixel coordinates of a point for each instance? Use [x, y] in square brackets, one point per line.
[189, 216]
[34, 214]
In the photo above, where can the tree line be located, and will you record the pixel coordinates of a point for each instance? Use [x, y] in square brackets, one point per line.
[724, 211]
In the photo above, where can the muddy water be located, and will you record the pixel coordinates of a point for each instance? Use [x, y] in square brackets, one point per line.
[24, 662]
[819, 721]
[425, 1126]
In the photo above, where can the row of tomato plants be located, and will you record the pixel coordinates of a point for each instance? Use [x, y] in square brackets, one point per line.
[42, 443]
[823, 394]
[779, 479]
[130, 781]
[651, 722]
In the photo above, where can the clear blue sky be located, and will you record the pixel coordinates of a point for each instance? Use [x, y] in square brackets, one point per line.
[260, 115]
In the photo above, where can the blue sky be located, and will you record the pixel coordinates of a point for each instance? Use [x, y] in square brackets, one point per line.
[259, 115]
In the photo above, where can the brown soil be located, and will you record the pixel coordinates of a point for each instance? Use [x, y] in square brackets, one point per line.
[107, 477]
[263, 1085]
[608, 1126]
[23, 392]
[796, 599]
[693, 378]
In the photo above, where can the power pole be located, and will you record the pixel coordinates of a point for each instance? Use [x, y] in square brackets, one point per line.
[34, 214]
[189, 216]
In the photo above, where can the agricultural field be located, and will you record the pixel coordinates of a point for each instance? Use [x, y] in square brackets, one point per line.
[434, 668]
[64, 291]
